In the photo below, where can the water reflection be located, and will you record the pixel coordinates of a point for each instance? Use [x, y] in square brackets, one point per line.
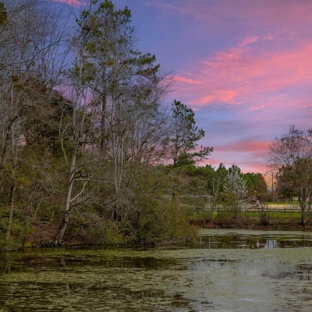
[62, 262]
[254, 272]
[271, 243]
[261, 240]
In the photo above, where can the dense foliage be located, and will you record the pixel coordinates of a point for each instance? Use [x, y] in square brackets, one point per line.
[88, 152]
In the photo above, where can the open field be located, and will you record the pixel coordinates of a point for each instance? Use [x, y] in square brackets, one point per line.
[271, 215]
[250, 220]
[268, 216]
[276, 207]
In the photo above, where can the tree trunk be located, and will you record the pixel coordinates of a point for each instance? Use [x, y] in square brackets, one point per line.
[59, 236]
[103, 140]
[303, 196]
[67, 212]
[11, 202]
[303, 217]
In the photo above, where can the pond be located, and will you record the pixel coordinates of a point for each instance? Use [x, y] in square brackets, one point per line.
[226, 271]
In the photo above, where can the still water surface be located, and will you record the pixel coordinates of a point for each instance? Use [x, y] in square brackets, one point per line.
[226, 271]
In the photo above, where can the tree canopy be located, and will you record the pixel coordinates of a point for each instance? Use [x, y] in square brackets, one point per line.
[84, 131]
[185, 136]
[291, 157]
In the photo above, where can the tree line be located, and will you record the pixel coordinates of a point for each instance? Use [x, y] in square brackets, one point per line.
[84, 129]
[88, 150]
[290, 160]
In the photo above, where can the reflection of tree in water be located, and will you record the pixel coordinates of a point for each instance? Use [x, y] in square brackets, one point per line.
[304, 272]
[254, 278]
[301, 272]
[271, 243]
[287, 243]
[280, 274]
[253, 241]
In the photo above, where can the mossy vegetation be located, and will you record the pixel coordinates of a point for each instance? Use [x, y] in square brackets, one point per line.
[164, 279]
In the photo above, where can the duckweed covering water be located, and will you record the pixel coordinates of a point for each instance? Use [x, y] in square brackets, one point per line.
[187, 279]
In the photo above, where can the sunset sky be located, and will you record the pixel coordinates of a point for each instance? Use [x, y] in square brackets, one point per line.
[243, 66]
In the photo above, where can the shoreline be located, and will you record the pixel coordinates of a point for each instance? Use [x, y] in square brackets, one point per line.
[251, 224]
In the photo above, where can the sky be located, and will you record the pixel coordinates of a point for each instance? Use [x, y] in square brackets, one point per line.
[243, 66]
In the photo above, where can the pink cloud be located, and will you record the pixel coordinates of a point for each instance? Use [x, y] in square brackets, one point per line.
[249, 40]
[256, 147]
[281, 13]
[245, 164]
[242, 74]
[259, 72]
[218, 95]
[247, 154]
[187, 80]
[74, 3]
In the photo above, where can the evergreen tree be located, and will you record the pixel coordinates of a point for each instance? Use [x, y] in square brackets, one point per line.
[183, 143]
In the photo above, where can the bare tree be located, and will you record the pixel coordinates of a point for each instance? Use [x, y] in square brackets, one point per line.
[291, 155]
[29, 37]
[73, 129]
[126, 91]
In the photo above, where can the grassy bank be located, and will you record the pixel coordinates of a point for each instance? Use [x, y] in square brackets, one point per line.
[249, 220]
